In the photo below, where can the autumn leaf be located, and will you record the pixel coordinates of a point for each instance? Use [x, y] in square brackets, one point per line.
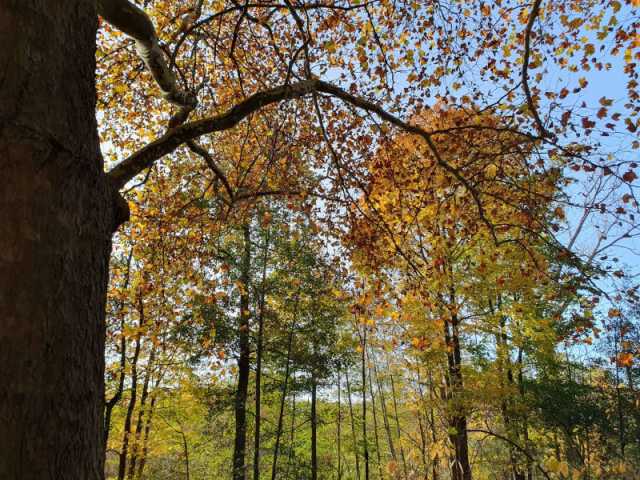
[629, 176]
[625, 359]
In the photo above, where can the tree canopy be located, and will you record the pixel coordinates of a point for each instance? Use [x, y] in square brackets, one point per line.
[390, 239]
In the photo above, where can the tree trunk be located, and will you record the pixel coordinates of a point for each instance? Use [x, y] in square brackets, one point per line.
[423, 422]
[259, 344]
[432, 426]
[385, 416]
[239, 468]
[122, 369]
[145, 437]
[461, 469]
[283, 399]
[364, 403]
[142, 413]
[292, 438]
[185, 452]
[375, 423]
[314, 428]
[124, 452]
[353, 425]
[397, 417]
[58, 212]
[505, 370]
[339, 429]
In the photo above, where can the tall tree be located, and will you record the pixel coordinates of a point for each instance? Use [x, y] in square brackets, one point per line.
[59, 211]
[244, 354]
[239, 60]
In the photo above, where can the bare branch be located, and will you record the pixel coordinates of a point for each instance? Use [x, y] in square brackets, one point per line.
[202, 152]
[515, 445]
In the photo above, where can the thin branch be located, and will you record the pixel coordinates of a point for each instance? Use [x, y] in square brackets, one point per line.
[515, 445]
[535, 11]
[199, 150]
[129, 168]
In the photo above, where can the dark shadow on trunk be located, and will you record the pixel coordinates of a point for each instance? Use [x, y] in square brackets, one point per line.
[58, 213]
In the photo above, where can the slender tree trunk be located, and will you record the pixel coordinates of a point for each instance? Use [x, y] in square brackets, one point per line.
[314, 428]
[432, 424]
[259, 342]
[58, 212]
[397, 417]
[461, 469]
[506, 379]
[145, 438]
[385, 416]
[239, 467]
[149, 422]
[142, 412]
[528, 474]
[353, 425]
[117, 396]
[423, 423]
[423, 445]
[276, 450]
[124, 452]
[375, 424]
[292, 436]
[339, 428]
[258, 414]
[185, 450]
[364, 403]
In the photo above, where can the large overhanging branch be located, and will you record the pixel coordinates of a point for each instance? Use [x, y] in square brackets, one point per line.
[166, 144]
[145, 157]
[135, 23]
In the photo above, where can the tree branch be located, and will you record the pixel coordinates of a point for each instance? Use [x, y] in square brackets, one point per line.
[129, 168]
[535, 11]
[515, 445]
[166, 144]
[199, 150]
[135, 23]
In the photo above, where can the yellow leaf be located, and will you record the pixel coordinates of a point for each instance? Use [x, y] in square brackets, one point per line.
[491, 171]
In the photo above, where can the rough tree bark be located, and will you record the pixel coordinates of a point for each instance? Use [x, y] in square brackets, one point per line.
[58, 213]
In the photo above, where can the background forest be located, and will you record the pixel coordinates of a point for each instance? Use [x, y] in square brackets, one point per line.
[326, 291]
